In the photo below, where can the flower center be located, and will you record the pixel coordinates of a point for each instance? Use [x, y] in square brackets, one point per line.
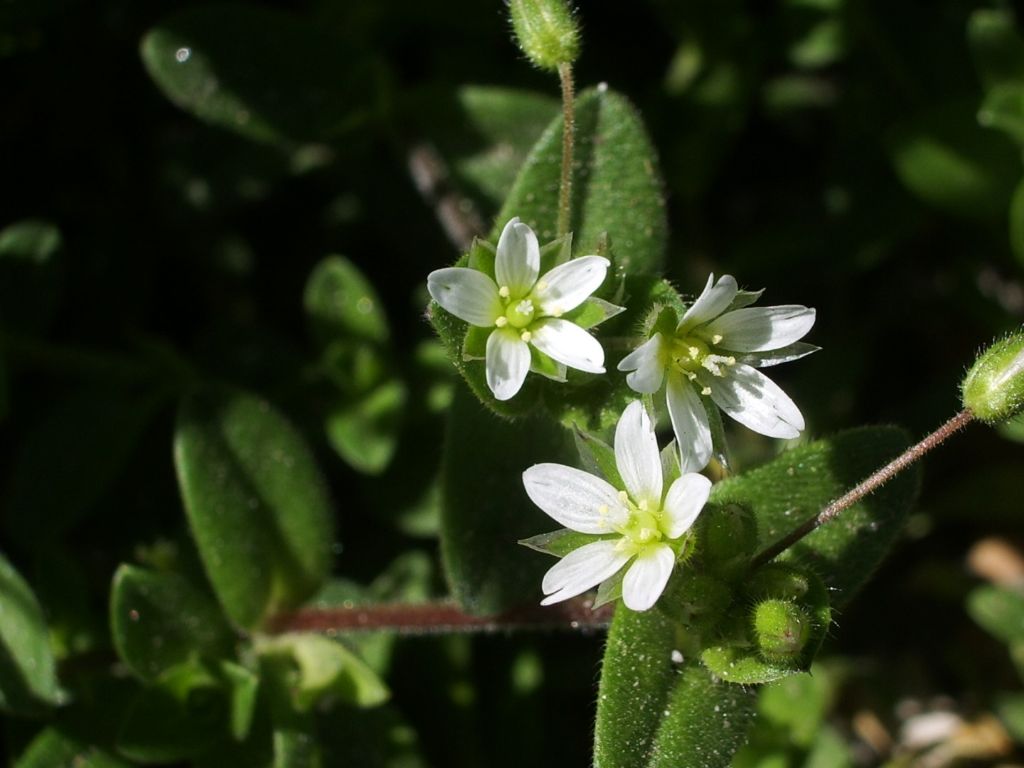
[642, 528]
[519, 314]
[690, 354]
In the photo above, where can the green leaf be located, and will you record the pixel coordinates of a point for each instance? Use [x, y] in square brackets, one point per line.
[799, 704]
[996, 46]
[801, 482]
[159, 620]
[945, 158]
[181, 715]
[275, 78]
[616, 188]
[28, 677]
[654, 712]
[243, 686]
[1010, 708]
[70, 459]
[485, 509]
[30, 278]
[53, 748]
[342, 304]
[1003, 109]
[365, 433]
[1000, 610]
[256, 503]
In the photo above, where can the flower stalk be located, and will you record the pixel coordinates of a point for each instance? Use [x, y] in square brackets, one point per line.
[568, 142]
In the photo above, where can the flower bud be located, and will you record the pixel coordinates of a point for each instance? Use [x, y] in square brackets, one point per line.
[781, 629]
[545, 31]
[993, 389]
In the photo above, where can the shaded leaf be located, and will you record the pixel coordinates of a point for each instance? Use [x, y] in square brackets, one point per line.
[53, 748]
[30, 278]
[275, 78]
[1000, 610]
[365, 433]
[257, 505]
[342, 304]
[28, 676]
[996, 46]
[159, 620]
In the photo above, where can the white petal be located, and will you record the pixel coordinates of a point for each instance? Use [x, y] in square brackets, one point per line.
[518, 258]
[757, 402]
[648, 369]
[787, 354]
[507, 363]
[715, 299]
[637, 456]
[567, 343]
[566, 286]
[684, 501]
[646, 578]
[762, 328]
[574, 498]
[580, 570]
[469, 295]
[690, 424]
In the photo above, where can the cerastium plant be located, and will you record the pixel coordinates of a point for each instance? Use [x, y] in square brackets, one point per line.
[587, 425]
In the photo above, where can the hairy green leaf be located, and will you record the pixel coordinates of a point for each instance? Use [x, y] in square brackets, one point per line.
[257, 505]
[275, 78]
[28, 677]
[801, 482]
[616, 186]
[160, 619]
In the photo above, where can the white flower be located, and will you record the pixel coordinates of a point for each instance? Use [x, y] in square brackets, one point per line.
[713, 353]
[641, 519]
[524, 308]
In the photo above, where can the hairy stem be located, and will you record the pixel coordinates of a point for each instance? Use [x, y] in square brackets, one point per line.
[863, 488]
[443, 617]
[568, 138]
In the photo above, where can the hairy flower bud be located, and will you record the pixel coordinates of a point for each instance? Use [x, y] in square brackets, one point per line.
[993, 389]
[546, 31]
[781, 629]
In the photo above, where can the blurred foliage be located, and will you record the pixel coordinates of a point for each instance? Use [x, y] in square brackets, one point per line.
[212, 204]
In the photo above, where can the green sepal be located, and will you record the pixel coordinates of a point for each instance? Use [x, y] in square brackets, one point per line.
[593, 312]
[556, 252]
[597, 457]
[475, 345]
[481, 257]
[671, 469]
[744, 299]
[159, 620]
[546, 366]
[561, 542]
[609, 590]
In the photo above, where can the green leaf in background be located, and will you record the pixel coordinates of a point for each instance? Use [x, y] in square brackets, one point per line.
[70, 459]
[257, 505]
[801, 482]
[181, 715]
[275, 78]
[996, 46]
[616, 188]
[658, 710]
[1017, 246]
[29, 274]
[342, 304]
[1000, 610]
[53, 748]
[365, 433]
[159, 620]
[945, 158]
[243, 686]
[1003, 109]
[495, 129]
[485, 509]
[28, 677]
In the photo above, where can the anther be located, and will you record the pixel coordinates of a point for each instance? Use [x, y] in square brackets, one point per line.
[541, 285]
[623, 496]
[501, 322]
[525, 335]
[694, 352]
[716, 339]
[706, 391]
[504, 292]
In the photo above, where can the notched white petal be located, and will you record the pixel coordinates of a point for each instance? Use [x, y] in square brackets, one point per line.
[647, 576]
[567, 343]
[712, 302]
[759, 329]
[646, 366]
[574, 498]
[637, 456]
[567, 286]
[758, 403]
[469, 295]
[517, 262]
[690, 424]
[684, 501]
[507, 363]
[580, 570]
